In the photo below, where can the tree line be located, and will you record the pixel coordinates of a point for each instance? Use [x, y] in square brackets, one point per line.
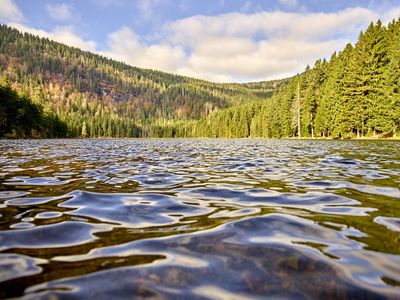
[355, 94]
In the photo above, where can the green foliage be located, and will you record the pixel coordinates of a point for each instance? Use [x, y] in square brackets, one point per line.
[110, 97]
[354, 94]
[21, 117]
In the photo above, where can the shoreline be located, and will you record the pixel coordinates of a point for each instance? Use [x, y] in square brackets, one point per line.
[208, 138]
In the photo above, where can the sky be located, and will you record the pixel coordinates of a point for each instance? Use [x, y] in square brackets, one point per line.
[217, 40]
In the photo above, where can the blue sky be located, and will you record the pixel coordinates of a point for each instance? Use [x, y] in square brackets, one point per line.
[219, 40]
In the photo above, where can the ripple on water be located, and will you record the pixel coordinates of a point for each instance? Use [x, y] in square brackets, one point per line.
[45, 181]
[63, 234]
[15, 265]
[48, 215]
[267, 255]
[22, 225]
[12, 194]
[314, 201]
[30, 201]
[199, 219]
[368, 189]
[131, 210]
[162, 180]
[391, 223]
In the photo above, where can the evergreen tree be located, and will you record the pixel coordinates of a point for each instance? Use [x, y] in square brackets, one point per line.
[73, 93]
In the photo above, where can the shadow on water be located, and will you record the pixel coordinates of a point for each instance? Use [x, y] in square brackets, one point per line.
[199, 219]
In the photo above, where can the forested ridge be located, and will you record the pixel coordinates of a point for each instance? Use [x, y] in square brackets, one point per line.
[100, 97]
[354, 94]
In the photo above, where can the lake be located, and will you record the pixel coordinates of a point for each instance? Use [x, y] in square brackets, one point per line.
[199, 219]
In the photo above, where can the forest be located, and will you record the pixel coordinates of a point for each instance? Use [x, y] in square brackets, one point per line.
[100, 97]
[354, 94]
[20, 116]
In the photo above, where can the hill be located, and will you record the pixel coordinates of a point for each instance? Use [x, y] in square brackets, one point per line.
[108, 98]
[354, 94]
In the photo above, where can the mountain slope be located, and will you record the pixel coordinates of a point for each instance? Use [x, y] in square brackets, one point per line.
[110, 98]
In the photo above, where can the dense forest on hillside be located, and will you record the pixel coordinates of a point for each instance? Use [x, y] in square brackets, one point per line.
[99, 97]
[21, 116]
[354, 94]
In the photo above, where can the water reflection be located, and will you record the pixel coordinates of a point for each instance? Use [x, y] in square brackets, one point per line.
[199, 219]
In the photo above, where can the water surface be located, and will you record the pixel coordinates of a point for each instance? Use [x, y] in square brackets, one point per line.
[200, 219]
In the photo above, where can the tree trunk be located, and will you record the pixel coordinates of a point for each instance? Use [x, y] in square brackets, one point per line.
[362, 126]
[298, 110]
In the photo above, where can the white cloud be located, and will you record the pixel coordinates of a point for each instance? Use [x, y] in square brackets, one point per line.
[60, 12]
[267, 25]
[125, 45]
[231, 47]
[393, 13]
[61, 34]
[263, 45]
[240, 46]
[9, 11]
